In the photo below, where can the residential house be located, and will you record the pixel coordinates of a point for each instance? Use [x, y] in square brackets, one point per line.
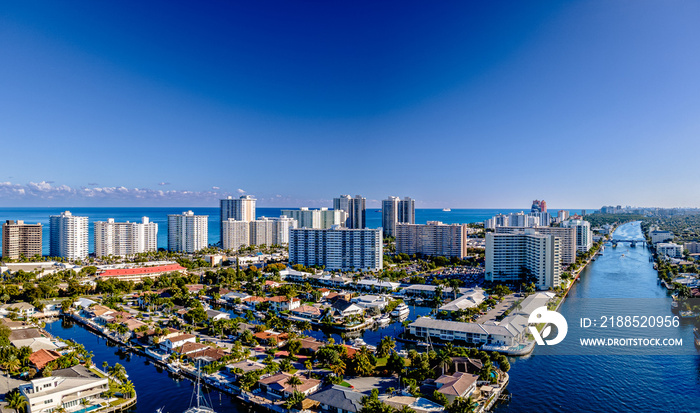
[416, 404]
[338, 399]
[46, 394]
[22, 309]
[282, 303]
[214, 315]
[170, 343]
[39, 359]
[371, 301]
[342, 308]
[470, 299]
[307, 312]
[457, 385]
[276, 385]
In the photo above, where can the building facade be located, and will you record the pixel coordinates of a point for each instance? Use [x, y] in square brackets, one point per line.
[567, 238]
[187, 232]
[125, 238]
[69, 236]
[584, 235]
[263, 231]
[395, 210]
[337, 248]
[323, 218]
[432, 239]
[19, 238]
[240, 209]
[355, 207]
[510, 257]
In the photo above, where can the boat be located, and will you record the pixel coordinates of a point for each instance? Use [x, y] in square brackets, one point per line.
[359, 342]
[384, 319]
[446, 210]
[173, 368]
[401, 309]
[198, 404]
[696, 333]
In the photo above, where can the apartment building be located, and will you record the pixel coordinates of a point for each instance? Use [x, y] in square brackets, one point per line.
[395, 210]
[432, 239]
[337, 248]
[323, 218]
[263, 231]
[68, 236]
[19, 238]
[510, 256]
[567, 238]
[188, 232]
[356, 209]
[125, 238]
[240, 209]
[584, 235]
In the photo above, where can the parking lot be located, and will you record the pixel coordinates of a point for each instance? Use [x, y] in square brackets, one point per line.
[499, 309]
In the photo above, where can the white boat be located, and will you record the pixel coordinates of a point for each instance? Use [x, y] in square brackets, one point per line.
[385, 319]
[359, 342]
[173, 368]
[401, 309]
[446, 210]
[200, 406]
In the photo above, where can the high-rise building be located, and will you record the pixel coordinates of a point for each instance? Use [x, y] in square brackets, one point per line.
[240, 209]
[584, 235]
[263, 231]
[355, 207]
[567, 238]
[188, 232]
[317, 218]
[395, 210]
[125, 238]
[513, 258]
[337, 248]
[69, 236]
[562, 215]
[19, 238]
[432, 239]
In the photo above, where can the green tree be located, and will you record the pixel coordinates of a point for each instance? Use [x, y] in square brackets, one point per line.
[293, 381]
[16, 401]
[385, 347]
[127, 389]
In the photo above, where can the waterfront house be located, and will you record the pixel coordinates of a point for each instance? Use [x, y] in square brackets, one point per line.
[39, 359]
[84, 303]
[338, 399]
[276, 385]
[470, 333]
[22, 309]
[293, 275]
[428, 291]
[189, 348]
[310, 345]
[371, 301]
[342, 308]
[271, 338]
[374, 284]
[46, 394]
[282, 303]
[466, 365]
[170, 343]
[214, 315]
[416, 404]
[307, 312]
[332, 296]
[532, 302]
[252, 302]
[270, 284]
[233, 295]
[456, 385]
[471, 299]
[243, 367]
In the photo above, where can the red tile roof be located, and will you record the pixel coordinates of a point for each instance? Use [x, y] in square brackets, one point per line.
[43, 357]
[141, 270]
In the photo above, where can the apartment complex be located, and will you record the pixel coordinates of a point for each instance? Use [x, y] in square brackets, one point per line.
[337, 248]
[519, 219]
[584, 235]
[567, 239]
[68, 236]
[19, 238]
[187, 232]
[355, 207]
[263, 231]
[433, 239]
[395, 210]
[323, 218]
[240, 209]
[125, 238]
[511, 256]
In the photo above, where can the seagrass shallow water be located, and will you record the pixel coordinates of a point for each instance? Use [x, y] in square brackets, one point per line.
[562, 379]
[159, 215]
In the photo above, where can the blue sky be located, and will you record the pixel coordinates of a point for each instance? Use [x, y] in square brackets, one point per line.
[460, 104]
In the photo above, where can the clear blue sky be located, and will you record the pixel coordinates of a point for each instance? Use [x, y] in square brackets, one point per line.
[460, 104]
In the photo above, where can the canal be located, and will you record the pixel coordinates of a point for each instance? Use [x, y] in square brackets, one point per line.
[571, 378]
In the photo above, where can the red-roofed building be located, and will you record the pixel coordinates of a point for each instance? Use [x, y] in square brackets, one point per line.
[137, 274]
[41, 358]
[282, 303]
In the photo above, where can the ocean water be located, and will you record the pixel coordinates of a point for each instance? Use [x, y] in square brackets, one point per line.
[159, 215]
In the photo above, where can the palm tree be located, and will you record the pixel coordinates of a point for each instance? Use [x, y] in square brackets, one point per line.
[127, 389]
[12, 364]
[16, 401]
[339, 368]
[308, 365]
[293, 381]
[444, 360]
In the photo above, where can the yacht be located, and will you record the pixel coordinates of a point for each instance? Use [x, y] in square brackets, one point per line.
[446, 210]
[200, 405]
[384, 319]
[401, 309]
[173, 368]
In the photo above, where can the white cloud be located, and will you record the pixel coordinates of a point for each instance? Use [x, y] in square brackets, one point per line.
[163, 183]
[240, 191]
[216, 188]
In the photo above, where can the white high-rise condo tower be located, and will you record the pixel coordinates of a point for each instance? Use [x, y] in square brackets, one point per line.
[240, 209]
[187, 232]
[69, 236]
[125, 238]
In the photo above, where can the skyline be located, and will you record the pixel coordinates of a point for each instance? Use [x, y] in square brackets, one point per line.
[455, 105]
